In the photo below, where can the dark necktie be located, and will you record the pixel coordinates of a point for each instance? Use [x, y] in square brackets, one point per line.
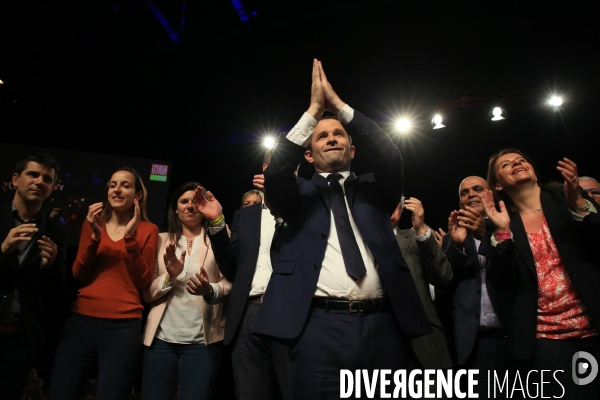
[355, 267]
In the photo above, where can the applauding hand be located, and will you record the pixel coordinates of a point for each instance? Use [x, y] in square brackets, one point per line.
[93, 217]
[198, 285]
[16, 236]
[458, 234]
[173, 264]
[135, 221]
[501, 219]
[568, 170]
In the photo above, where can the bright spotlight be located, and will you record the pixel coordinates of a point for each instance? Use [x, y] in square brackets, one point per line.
[497, 112]
[437, 122]
[403, 125]
[269, 142]
[1, 83]
[556, 101]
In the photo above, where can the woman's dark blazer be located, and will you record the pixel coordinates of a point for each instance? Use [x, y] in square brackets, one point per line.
[512, 267]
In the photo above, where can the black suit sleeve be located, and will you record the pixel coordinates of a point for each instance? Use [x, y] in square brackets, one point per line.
[386, 160]
[225, 249]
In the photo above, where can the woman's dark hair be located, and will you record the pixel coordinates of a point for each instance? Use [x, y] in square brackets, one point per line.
[492, 179]
[175, 229]
[139, 187]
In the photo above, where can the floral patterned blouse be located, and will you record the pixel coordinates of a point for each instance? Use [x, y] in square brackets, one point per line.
[561, 314]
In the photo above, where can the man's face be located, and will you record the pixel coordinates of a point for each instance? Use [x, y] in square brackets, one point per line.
[592, 188]
[34, 184]
[331, 148]
[470, 192]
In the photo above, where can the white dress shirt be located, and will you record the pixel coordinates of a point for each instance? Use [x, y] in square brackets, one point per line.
[263, 270]
[334, 281]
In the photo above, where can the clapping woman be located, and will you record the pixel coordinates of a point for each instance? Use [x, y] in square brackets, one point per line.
[114, 263]
[185, 327]
[545, 254]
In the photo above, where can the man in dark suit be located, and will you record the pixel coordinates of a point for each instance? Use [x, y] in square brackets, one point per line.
[340, 290]
[479, 311]
[259, 365]
[429, 267]
[32, 264]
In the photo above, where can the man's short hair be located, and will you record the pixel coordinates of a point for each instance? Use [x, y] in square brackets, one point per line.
[589, 178]
[41, 158]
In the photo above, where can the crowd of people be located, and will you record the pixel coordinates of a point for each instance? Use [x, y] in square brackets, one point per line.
[310, 278]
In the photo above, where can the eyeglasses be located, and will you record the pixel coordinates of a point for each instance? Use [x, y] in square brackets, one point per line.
[594, 192]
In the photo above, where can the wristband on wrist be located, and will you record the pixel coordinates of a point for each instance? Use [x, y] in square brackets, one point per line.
[217, 221]
[502, 235]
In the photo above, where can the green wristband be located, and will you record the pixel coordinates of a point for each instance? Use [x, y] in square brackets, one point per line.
[216, 222]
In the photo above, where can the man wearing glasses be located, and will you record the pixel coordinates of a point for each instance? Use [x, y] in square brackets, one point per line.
[591, 186]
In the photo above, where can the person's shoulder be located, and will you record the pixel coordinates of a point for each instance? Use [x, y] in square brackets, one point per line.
[163, 235]
[147, 227]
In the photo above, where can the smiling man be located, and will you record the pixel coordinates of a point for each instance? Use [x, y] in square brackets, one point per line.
[340, 291]
[32, 265]
[478, 308]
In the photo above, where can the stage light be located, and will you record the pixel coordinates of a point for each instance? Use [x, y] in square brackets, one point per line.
[497, 112]
[437, 122]
[556, 101]
[269, 142]
[1, 83]
[403, 125]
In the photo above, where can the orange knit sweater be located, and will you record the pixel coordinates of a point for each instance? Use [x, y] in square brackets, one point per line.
[113, 273]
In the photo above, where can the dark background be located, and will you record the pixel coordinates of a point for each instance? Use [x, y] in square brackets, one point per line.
[105, 77]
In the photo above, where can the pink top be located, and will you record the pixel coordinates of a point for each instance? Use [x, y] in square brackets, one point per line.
[561, 314]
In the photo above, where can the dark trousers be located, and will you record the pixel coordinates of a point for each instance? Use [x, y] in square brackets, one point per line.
[257, 362]
[489, 354]
[14, 365]
[191, 367]
[334, 340]
[558, 355]
[115, 343]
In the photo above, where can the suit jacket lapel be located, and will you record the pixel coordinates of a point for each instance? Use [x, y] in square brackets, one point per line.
[255, 224]
[323, 187]
[404, 241]
[472, 252]
[557, 219]
[521, 242]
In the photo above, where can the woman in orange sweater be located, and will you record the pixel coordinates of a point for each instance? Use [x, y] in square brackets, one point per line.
[114, 262]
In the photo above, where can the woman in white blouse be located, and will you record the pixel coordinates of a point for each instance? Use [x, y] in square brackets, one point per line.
[185, 326]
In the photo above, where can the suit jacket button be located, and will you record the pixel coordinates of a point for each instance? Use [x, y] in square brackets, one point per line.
[249, 283]
[323, 236]
[315, 266]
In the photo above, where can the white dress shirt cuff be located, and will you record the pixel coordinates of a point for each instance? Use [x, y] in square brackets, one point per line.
[580, 218]
[304, 128]
[302, 131]
[423, 237]
[346, 114]
[214, 229]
